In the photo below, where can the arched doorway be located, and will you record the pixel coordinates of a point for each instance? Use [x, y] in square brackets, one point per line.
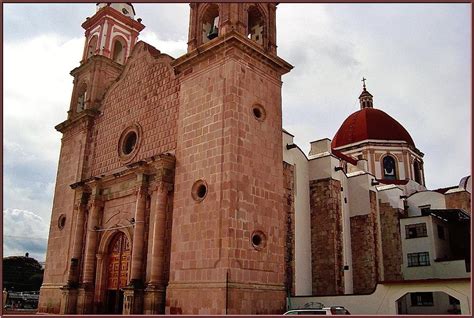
[117, 272]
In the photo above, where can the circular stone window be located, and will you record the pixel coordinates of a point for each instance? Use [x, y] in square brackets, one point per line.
[61, 221]
[129, 143]
[258, 112]
[258, 240]
[199, 190]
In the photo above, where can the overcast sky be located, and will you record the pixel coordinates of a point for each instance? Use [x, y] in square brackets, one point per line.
[416, 58]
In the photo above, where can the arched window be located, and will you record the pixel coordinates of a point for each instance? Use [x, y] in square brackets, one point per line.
[417, 171]
[389, 168]
[210, 23]
[255, 29]
[118, 52]
[91, 47]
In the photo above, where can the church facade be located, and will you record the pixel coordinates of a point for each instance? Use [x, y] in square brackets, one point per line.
[177, 192]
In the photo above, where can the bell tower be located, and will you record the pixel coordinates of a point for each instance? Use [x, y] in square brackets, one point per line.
[229, 225]
[110, 35]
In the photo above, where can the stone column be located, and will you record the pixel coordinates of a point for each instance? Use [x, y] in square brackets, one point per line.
[133, 294]
[76, 255]
[69, 291]
[86, 292]
[138, 236]
[154, 292]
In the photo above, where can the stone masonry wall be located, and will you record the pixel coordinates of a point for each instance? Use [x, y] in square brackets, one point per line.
[326, 237]
[364, 243]
[391, 242]
[146, 93]
[289, 191]
[459, 200]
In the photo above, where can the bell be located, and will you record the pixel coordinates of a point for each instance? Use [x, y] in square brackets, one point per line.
[214, 30]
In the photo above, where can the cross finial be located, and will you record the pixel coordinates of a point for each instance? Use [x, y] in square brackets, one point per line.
[363, 80]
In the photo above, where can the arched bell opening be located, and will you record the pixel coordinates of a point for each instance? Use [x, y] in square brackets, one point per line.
[81, 98]
[118, 50]
[255, 25]
[210, 23]
[92, 46]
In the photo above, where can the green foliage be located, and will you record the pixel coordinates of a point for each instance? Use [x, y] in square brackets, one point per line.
[22, 273]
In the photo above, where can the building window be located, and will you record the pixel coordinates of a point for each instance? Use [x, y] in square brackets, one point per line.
[441, 232]
[415, 230]
[418, 259]
[421, 299]
[389, 168]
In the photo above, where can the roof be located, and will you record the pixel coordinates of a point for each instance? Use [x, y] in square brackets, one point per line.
[370, 123]
[448, 215]
[444, 190]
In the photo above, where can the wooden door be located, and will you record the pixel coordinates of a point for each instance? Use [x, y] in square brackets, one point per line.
[117, 273]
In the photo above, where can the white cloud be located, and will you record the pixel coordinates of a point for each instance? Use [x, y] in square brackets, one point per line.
[24, 231]
[170, 47]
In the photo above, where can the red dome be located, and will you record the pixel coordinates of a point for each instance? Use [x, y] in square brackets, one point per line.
[370, 123]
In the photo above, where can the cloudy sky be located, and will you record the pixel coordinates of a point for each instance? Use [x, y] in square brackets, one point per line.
[416, 58]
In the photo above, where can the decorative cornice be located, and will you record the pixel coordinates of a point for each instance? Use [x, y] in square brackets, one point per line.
[137, 26]
[85, 115]
[232, 38]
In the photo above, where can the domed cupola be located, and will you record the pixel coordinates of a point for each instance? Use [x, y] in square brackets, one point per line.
[373, 135]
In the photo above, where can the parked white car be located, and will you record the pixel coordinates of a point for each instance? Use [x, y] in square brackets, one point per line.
[333, 310]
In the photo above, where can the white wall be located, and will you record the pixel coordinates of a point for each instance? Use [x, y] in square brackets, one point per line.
[445, 269]
[384, 300]
[303, 275]
[435, 199]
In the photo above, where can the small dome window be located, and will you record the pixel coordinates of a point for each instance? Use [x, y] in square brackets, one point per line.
[389, 168]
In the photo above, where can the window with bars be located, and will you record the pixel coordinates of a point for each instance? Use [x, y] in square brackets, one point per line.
[418, 259]
[415, 230]
[421, 299]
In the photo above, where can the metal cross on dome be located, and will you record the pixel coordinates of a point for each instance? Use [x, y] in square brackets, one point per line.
[363, 80]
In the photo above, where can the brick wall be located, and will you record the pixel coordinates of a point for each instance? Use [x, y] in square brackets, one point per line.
[364, 247]
[391, 242]
[326, 237]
